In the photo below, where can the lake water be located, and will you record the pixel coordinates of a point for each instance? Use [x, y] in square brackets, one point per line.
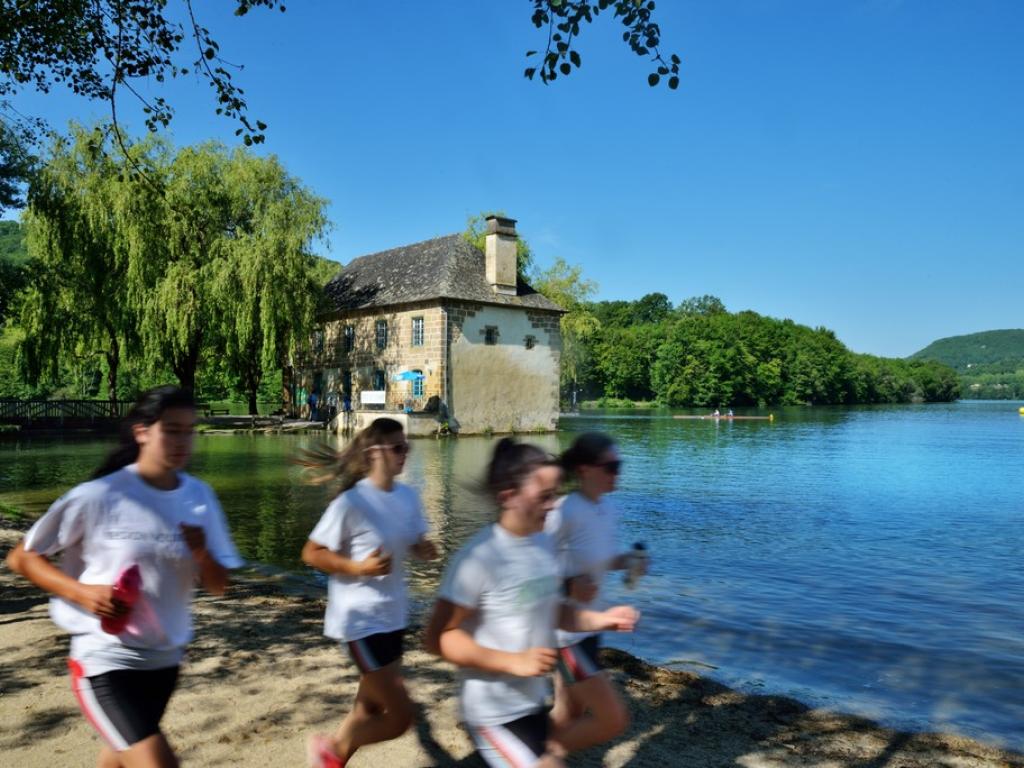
[867, 560]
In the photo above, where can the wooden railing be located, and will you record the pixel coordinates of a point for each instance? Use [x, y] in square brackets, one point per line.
[15, 411]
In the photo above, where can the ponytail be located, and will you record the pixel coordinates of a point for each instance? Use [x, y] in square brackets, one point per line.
[512, 463]
[585, 449]
[147, 410]
[351, 464]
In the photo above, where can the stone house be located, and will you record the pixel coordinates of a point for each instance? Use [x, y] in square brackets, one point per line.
[439, 326]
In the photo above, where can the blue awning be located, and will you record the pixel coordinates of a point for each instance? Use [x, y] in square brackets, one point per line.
[408, 376]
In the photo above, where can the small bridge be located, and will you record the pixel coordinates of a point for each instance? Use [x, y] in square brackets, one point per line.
[63, 414]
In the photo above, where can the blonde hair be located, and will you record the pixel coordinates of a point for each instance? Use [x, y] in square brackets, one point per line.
[324, 464]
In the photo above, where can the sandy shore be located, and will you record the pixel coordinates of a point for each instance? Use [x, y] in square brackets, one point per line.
[260, 677]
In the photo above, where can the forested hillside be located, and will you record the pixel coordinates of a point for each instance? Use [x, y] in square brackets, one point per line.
[990, 363]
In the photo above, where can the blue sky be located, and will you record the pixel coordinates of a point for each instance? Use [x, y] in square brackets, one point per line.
[857, 165]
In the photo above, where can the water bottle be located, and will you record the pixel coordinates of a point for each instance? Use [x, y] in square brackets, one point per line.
[126, 592]
[637, 565]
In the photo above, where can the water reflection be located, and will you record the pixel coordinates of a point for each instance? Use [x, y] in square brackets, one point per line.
[866, 559]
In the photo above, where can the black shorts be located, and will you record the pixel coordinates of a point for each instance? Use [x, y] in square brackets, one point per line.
[517, 743]
[376, 651]
[578, 662]
[124, 706]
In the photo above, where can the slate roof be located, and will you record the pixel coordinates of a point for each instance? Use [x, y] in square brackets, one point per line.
[443, 268]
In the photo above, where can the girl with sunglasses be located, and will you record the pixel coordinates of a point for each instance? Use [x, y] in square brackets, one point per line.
[588, 710]
[499, 604]
[361, 543]
[133, 541]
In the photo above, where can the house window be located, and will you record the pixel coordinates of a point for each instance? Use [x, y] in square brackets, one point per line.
[318, 342]
[417, 385]
[378, 380]
[417, 331]
[349, 338]
[530, 341]
[491, 334]
[382, 334]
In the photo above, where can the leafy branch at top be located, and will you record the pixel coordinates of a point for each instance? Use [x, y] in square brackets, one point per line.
[563, 20]
[93, 48]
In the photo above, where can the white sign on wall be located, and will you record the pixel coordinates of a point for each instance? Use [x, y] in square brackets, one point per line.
[372, 397]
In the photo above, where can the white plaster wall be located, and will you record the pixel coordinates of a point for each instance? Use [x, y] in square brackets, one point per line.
[504, 387]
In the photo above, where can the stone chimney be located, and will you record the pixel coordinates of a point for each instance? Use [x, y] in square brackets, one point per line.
[500, 254]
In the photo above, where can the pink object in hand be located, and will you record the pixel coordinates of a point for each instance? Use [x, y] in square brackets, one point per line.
[126, 591]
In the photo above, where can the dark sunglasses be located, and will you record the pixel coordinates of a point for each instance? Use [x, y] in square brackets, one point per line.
[612, 467]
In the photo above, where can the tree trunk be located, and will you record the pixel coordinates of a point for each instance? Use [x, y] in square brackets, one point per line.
[185, 367]
[252, 403]
[113, 356]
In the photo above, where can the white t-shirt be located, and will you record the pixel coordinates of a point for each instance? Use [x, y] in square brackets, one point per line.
[512, 584]
[586, 542]
[357, 522]
[106, 525]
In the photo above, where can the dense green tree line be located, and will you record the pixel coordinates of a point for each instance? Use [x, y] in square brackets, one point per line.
[698, 354]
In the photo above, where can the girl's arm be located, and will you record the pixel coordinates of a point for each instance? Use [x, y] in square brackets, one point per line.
[323, 559]
[621, 618]
[446, 637]
[94, 598]
[212, 575]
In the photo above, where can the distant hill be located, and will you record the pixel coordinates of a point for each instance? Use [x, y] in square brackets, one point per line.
[990, 364]
[995, 351]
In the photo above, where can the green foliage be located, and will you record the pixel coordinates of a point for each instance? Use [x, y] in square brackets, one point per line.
[15, 167]
[563, 21]
[100, 50]
[476, 234]
[986, 352]
[990, 363]
[78, 304]
[204, 257]
[13, 268]
[565, 285]
[701, 355]
[73, 44]
[994, 386]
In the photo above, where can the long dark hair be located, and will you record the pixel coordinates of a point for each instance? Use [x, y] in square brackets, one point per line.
[147, 410]
[351, 464]
[512, 463]
[585, 449]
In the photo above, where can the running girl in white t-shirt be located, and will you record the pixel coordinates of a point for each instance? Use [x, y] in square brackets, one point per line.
[140, 510]
[499, 605]
[588, 710]
[361, 542]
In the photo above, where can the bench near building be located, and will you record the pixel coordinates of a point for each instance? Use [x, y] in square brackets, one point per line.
[437, 328]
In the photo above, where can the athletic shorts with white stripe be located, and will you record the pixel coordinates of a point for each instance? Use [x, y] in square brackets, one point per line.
[516, 744]
[124, 706]
[376, 651]
[578, 662]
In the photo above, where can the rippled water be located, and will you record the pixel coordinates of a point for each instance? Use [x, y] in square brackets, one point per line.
[868, 560]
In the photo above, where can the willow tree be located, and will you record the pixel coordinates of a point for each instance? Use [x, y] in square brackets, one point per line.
[266, 287]
[77, 305]
[229, 272]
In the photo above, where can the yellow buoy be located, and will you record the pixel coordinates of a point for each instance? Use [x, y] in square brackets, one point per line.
[1021, 411]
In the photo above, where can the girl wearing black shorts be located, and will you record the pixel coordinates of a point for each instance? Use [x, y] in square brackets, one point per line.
[140, 519]
[361, 542]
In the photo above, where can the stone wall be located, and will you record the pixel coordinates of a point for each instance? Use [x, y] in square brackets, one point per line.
[333, 360]
[510, 385]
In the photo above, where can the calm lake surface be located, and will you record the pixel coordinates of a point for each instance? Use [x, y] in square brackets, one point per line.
[869, 560]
